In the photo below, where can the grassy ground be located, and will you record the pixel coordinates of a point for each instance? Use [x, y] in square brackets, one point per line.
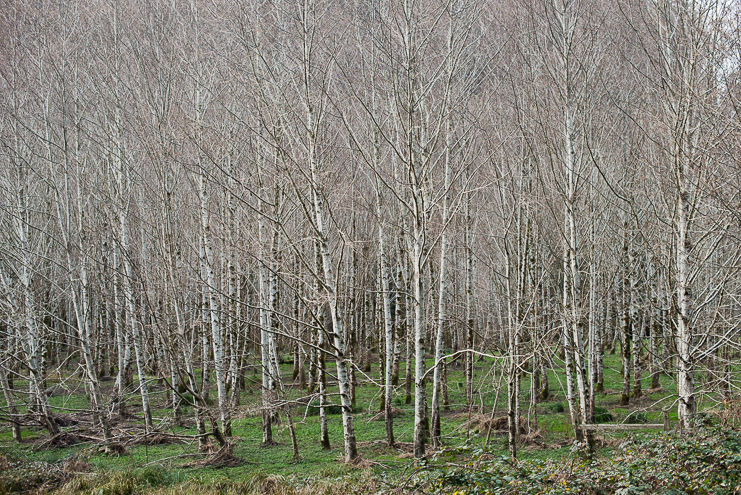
[555, 441]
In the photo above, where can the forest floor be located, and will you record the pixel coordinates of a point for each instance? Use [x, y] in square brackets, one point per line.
[170, 460]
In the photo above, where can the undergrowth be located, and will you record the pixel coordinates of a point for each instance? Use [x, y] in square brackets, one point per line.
[705, 462]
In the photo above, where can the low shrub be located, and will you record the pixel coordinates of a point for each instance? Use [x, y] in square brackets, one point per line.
[602, 415]
[23, 476]
[139, 481]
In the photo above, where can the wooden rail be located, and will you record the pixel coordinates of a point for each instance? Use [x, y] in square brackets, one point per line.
[603, 427]
[625, 427]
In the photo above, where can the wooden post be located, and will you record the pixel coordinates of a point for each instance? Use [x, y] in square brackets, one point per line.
[667, 426]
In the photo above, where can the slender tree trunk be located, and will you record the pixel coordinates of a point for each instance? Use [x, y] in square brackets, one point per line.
[420, 395]
[654, 328]
[321, 365]
[265, 325]
[593, 339]
[213, 311]
[124, 186]
[636, 323]
[80, 290]
[328, 279]
[388, 326]
[407, 318]
[685, 359]
[469, 324]
[443, 284]
[625, 324]
[15, 425]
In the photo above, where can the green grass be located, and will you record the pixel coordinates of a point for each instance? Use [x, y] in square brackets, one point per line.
[553, 422]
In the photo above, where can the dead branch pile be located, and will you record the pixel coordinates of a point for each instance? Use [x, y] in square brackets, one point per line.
[60, 441]
[360, 463]
[76, 466]
[154, 439]
[224, 457]
[485, 423]
[65, 420]
[404, 447]
[533, 438]
[395, 413]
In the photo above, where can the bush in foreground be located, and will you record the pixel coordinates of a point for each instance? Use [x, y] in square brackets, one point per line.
[704, 462]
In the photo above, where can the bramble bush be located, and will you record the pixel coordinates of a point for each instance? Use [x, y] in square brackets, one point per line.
[21, 476]
[706, 461]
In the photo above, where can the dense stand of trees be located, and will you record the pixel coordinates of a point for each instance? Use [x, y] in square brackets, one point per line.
[190, 190]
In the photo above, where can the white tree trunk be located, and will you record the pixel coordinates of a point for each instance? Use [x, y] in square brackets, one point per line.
[265, 324]
[685, 365]
[328, 280]
[212, 309]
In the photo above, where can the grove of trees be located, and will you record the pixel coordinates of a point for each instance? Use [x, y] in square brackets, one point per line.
[193, 190]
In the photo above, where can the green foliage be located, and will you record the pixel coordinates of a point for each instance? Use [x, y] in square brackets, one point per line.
[602, 415]
[256, 483]
[556, 407]
[187, 400]
[705, 462]
[705, 419]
